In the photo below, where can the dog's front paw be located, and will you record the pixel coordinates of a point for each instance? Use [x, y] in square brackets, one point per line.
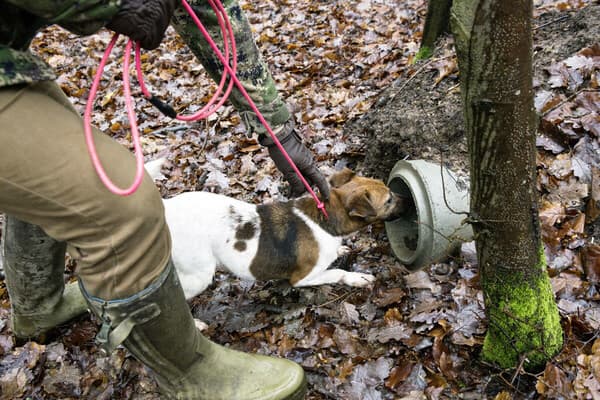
[343, 250]
[202, 326]
[357, 279]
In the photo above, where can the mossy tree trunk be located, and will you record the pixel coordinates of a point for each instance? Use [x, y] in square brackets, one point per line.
[436, 24]
[494, 47]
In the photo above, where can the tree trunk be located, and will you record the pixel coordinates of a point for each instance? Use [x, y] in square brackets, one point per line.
[494, 47]
[436, 24]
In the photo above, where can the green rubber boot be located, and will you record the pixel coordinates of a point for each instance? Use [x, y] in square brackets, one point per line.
[156, 326]
[34, 265]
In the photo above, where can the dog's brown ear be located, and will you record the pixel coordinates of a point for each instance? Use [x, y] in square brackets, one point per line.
[341, 177]
[361, 206]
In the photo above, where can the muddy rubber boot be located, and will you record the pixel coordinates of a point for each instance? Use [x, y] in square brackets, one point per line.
[156, 326]
[34, 265]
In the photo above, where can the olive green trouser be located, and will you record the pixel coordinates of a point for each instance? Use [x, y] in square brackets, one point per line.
[46, 178]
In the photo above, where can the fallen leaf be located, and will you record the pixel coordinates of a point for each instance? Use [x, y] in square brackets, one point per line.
[14, 382]
[591, 262]
[504, 395]
[349, 313]
[551, 213]
[420, 280]
[544, 100]
[444, 67]
[592, 210]
[385, 334]
[398, 374]
[6, 344]
[389, 296]
[63, 382]
[392, 316]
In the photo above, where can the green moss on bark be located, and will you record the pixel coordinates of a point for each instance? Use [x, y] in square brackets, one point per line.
[523, 321]
[423, 53]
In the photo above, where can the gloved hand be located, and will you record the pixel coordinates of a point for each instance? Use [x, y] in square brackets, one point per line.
[302, 157]
[143, 20]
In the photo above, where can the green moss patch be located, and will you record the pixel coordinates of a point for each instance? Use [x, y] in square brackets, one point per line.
[523, 322]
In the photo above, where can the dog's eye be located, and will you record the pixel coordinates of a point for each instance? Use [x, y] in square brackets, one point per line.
[389, 200]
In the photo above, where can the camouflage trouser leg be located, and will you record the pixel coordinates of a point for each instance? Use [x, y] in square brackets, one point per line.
[251, 70]
[34, 264]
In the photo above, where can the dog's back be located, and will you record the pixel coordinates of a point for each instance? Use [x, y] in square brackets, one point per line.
[209, 230]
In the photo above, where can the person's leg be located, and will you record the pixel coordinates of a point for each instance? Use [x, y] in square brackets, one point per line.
[46, 178]
[251, 70]
[156, 326]
[34, 264]
[39, 164]
[122, 246]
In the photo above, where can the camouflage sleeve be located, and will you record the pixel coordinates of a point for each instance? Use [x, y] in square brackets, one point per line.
[252, 70]
[79, 16]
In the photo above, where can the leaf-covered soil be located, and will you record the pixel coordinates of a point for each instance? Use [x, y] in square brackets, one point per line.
[347, 71]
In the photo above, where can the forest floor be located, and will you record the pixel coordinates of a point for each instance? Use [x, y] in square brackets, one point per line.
[411, 335]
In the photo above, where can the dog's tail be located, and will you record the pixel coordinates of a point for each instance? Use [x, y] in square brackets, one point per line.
[154, 167]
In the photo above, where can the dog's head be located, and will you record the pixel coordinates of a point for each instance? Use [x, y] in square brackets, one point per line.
[366, 200]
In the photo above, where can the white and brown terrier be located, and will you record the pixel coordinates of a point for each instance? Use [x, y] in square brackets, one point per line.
[282, 240]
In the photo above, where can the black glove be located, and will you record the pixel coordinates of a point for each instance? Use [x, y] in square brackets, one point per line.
[303, 159]
[143, 20]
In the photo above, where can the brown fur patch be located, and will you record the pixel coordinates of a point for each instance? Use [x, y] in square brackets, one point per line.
[245, 231]
[286, 244]
[240, 246]
[308, 255]
[342, 177]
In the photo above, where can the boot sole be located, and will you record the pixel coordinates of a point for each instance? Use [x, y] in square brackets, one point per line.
[300, 393]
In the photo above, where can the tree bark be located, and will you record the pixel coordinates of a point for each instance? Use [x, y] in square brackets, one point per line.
[494, 46]
[436, 24]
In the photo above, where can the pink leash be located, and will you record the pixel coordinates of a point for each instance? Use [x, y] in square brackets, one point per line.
[209, 108]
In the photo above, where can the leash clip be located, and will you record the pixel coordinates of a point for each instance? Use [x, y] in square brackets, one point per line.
[321, 207]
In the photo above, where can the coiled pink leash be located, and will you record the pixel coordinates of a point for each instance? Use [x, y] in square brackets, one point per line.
[228, 41]
[87, 125]
[229, 71]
